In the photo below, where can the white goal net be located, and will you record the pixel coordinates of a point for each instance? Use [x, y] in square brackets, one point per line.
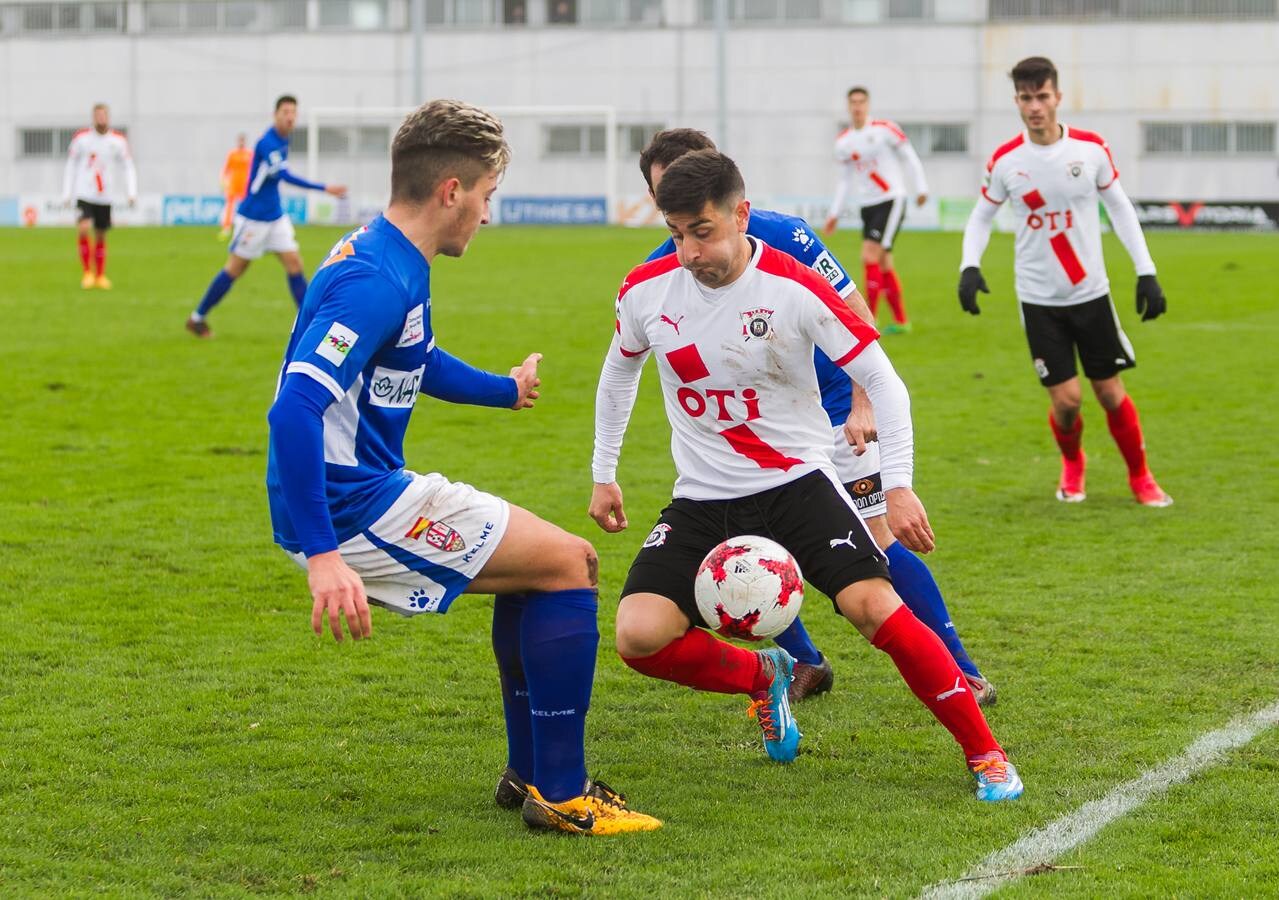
[564, 162]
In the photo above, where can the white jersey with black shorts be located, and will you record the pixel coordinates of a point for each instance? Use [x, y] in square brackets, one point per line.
[875, 162]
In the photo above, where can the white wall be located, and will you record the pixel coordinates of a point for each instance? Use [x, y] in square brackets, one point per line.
[184, 98]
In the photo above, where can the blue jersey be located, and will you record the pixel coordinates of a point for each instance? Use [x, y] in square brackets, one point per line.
[270, 166]
[792, 236]
[361, 350]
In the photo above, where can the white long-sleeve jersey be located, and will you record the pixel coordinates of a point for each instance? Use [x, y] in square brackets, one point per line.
[874, 162]
[92, 162]
[736, 366]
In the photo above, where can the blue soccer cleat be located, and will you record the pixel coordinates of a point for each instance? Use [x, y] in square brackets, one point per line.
[772, 707]
[997, 779]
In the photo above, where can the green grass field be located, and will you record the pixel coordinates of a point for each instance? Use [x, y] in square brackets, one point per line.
[170, 726]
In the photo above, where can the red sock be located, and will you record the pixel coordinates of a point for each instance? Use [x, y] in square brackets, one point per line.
[84, 251]
[893, 293]
[1125, 428]
[1069, 441]
[935, 678]
[873, 286]
[100, 255]
[702, 661]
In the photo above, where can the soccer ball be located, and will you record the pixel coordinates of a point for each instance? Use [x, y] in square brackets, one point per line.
[749, 588]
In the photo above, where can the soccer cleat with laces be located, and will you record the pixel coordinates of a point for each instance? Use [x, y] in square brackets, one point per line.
[599, 811]
[897, 328]
[809, 680]
[102, 283]
[1147, 490]
[1071, 487]
[983, 691]
[511, 790]
[997, 778]
[772, 707]
[86, 281]
[199, 327]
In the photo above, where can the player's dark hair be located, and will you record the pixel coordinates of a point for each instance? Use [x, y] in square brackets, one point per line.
[445, 139]
[668, 146]
[1034, 72]
[698, 178]
[858, 89]
[283, 99]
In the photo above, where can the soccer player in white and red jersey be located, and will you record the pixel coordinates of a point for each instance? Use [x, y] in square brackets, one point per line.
[875, 157]
[89, 179]
[1052, 175]
[733, 324]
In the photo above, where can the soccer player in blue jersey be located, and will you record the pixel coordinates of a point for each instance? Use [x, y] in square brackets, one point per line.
[260, 223]
[856, 455]
[368, 530]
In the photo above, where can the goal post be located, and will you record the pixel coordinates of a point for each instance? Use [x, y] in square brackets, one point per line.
[351, 145]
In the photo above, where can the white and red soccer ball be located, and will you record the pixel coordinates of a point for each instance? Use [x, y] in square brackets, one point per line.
[749, 588]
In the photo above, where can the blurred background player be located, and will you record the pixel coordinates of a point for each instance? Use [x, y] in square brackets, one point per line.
[89, 179]
[365, 528]
[260, 223]
[732, 325]
[872, 154]
[1053, 175]
[857, 466]
[235, 181]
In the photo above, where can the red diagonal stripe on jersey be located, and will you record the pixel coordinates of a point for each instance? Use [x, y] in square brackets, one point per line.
[1034, 200]
[687, 363]
[749, 444]
[883, 185]
[1066, 256]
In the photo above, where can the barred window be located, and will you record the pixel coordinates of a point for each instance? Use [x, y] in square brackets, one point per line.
[73, 17]
[1209, 138]
[475, 12]
[764, 11]
[345, 140]
[587, 139]
[362, 15]
[1133, 9]
[936, 138]
[50, 142]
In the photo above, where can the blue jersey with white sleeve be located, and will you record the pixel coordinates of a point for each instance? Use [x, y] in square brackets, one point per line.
[270, 166]
[361, 350]
[793, 236]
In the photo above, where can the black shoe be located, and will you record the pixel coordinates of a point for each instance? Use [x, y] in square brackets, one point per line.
[810, 680]
[511, 790]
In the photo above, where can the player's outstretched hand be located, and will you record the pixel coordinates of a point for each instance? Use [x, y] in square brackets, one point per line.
[337, 591]
[337, 190]
[908, 521]
[860, 427]
[829, 228]
[970, 282]
[1151, 303]
[525, 375]
[606, 507]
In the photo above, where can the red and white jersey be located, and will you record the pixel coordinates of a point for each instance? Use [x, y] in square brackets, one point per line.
[874, 161]
[92, 162]
[736, 366]
[1053, 192]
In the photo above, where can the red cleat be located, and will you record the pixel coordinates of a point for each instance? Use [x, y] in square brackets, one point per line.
[1147, 490]
[1071, 487]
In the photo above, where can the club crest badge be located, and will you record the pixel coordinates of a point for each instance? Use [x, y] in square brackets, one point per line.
[437, 534]
[757, 324]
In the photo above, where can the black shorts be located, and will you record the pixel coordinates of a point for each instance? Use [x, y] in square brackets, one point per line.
[100, 213]
[1092, 328]
[881, 222]
[811, 517]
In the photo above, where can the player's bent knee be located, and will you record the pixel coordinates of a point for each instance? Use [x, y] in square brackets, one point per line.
[868, 604]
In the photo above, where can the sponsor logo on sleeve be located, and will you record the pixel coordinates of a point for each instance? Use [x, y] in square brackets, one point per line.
[803, 238]
[337, 343]
[826, 267]
[395, 388]
[414, 331]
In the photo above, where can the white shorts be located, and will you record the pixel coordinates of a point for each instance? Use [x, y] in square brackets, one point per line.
[427, 548]
[251, 238]
[860, 475]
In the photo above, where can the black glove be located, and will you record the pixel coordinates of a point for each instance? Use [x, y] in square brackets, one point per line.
[970, 282]
[1150, 298]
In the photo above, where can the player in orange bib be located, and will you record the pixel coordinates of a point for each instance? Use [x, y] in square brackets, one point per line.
[235, 181]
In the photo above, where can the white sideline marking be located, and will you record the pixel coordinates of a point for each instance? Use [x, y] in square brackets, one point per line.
[1048, 843]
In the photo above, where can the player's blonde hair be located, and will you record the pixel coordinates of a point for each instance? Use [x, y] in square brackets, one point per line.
[445, 139]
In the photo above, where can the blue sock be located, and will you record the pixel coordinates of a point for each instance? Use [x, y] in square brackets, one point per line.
[559, 640]
[218, 287]
[508, 613]
[297, 286]
[915, 584]
[795, 641]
